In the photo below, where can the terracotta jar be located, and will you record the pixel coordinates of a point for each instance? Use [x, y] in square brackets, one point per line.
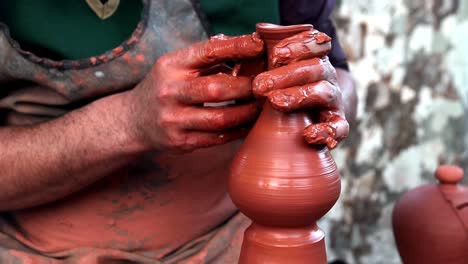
[283, 184]
[430, 223]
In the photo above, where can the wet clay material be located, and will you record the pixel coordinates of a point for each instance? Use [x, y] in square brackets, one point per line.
[280, 182]
[430, 223]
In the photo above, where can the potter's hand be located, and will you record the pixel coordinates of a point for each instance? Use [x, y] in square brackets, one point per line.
[168, 111]
[305, 79]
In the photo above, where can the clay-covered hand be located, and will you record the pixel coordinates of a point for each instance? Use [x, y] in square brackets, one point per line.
[168, 112]
[304, 79]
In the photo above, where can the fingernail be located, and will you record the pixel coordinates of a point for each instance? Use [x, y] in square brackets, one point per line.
[262, 85]
[283, 100]
[283, 52]
[322, 38]
[280, 100]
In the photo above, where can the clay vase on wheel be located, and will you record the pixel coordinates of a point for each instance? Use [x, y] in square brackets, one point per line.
[281, 183]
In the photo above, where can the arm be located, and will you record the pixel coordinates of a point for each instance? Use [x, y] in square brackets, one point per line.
[45, 162]
[348, 92]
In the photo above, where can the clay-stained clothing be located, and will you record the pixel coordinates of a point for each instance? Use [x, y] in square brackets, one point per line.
[34, 89]
[220, 245]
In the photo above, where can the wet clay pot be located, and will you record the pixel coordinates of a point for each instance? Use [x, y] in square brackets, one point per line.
[281, 183]
[430, 223]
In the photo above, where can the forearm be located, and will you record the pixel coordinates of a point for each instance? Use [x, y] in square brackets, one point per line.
[46, 162]
[348, 91]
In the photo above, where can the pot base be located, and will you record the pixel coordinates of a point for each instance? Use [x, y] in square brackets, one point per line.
[283, 245]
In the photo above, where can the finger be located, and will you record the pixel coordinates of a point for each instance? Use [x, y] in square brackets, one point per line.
[305, 45]
[197, 139]
[332, 128]
[320, 134]
[215, 88]
[218, 119]
[218, 49]
[296, 74]
[319, 94]
[338, 121]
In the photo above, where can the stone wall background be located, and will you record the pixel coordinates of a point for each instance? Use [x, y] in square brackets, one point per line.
[410, 62]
